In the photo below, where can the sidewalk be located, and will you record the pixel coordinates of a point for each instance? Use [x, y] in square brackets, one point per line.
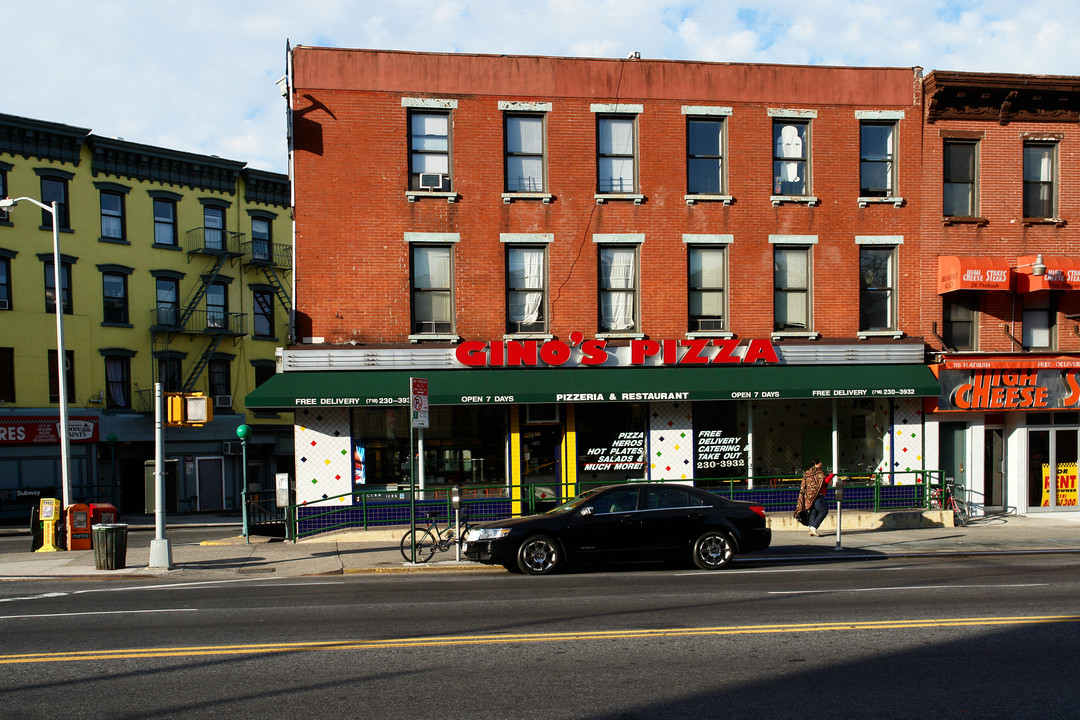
[376, 551]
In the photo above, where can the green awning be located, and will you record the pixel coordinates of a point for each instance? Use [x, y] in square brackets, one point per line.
[372, 388]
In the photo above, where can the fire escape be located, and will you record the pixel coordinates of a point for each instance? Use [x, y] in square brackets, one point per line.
[192, 318]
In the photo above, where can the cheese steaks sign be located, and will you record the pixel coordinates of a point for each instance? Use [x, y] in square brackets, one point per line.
[697, 351]
[1009, 389]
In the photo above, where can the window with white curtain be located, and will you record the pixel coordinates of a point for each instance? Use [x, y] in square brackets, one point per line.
[615, 145]
[214, 227]
[526, 289]
[618, 289]
[432, 289]
[791, 157]
[1039, 171]
[707, 297]
[525, 153]
[877, 166]
[112, 215]
[791, 288]
[429, 150]
[117, 382]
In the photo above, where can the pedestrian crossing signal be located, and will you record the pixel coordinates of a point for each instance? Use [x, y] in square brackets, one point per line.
[188, 409]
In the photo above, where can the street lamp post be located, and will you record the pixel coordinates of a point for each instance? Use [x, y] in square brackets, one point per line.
[61, 356]
[242, 432]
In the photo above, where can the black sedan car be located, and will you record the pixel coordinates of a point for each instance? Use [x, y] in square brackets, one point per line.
[634, 522]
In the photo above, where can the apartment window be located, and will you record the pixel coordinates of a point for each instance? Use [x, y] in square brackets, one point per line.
[615, 147]
[429, 148]
[65, 287]
[960, 190]
[218, 377]
[791, 288]
[1039, 177]
[5, 282]
[261, 239]
[708, 300]
[705, 156]
[877, 282]
[114, 298]
[112, 215]
[432, 289]
[55, 189]
[524, 153]
[526, 289]
[165, 222]
[1039, 316]
[7, 374]
[69, 374]
[168, 301]
[213, 227]
[169, 373]
[217, 305]
[4, 167]
[263, 309]
[791, 157]
[117, 382]
[959, 319]
[264, 370]
[618, 288]
[877, 161]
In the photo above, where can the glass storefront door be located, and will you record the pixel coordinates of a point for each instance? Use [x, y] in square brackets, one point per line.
[1052, 458]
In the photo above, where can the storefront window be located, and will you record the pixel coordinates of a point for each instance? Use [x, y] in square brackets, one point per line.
[610, 444]
[462, 445]
[720, 441]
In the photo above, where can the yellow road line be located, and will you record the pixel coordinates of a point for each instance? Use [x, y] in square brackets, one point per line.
[393, 643]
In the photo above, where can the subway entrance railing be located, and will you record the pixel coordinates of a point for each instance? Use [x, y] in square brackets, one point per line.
[374, 508]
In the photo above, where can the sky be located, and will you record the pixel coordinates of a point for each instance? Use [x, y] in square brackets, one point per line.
[200, 75]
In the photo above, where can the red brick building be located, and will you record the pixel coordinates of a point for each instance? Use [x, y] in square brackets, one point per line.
[605, 269]
[1000, 308]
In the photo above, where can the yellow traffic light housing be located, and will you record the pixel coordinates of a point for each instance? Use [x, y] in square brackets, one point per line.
[188, 409]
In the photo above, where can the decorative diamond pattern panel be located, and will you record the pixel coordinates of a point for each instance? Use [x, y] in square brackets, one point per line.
[323, 455]
[906, 442]
[671, 441]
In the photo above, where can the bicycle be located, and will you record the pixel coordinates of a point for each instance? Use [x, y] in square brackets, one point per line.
[946, 498]
[432, 538]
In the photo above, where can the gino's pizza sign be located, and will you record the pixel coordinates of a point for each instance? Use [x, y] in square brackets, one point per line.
[579, 351]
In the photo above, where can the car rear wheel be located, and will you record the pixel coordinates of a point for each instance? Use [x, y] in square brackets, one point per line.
[714, 550]
[538, 555]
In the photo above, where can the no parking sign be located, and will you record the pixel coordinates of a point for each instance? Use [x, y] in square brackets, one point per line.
[418, 402]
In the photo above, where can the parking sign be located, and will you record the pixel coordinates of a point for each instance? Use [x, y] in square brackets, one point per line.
[418, 402]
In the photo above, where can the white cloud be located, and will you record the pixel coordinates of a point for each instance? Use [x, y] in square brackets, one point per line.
[199, 76]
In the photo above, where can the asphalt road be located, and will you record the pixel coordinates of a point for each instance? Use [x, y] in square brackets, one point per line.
[993, 636]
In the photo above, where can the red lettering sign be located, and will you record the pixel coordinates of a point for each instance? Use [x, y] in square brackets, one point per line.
[691, 351]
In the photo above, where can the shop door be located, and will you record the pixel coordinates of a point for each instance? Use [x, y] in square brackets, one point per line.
[541, 466]
[1052, 456]
[994, 470]
[954, 451]
[211, 476]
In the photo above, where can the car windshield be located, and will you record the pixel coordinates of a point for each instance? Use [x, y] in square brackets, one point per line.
[572, 504]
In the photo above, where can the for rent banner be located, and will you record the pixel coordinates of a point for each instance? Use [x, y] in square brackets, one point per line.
[1066, 485]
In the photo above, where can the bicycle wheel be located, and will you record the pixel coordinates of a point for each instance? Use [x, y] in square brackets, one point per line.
[425, 545]
[960, 512]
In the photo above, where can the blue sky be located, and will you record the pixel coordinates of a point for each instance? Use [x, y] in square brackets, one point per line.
[200, 76]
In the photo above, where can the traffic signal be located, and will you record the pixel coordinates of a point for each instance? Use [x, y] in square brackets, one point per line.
[188, 409]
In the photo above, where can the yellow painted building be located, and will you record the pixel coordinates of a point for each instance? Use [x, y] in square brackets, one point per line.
[175, 268]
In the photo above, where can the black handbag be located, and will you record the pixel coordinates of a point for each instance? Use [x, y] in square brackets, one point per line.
[803, 516]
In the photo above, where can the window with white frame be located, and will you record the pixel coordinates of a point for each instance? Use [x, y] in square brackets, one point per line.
[960, 179]
[261, 239]
[432, 289]
[429, 151]
[791, 288]
[877, 159]
[112, 215]
[1039, 315]
[877, 282]
[616, 144]
[213, 227]
[708, 299]
[217, 306]
[524, 136]
[959, 319]
[791, 156]
[1040, 173]
[526, 288]
[705, 156]
[165, 232]
[619, 288]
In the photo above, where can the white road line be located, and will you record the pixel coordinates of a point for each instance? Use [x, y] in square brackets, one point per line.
[266, 582]
[903, 587]
[99, 612]
[816, 568]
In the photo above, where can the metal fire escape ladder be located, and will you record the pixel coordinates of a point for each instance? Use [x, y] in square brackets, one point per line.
[200, 291]
[201, 363]
[279, 287]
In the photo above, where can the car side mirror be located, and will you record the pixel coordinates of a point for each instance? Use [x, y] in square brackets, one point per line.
[587, 511]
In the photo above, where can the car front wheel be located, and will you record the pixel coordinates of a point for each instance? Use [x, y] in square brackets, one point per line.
[538, 555]
[714, 550]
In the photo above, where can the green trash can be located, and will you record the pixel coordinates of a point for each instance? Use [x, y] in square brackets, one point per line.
[110, 546]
